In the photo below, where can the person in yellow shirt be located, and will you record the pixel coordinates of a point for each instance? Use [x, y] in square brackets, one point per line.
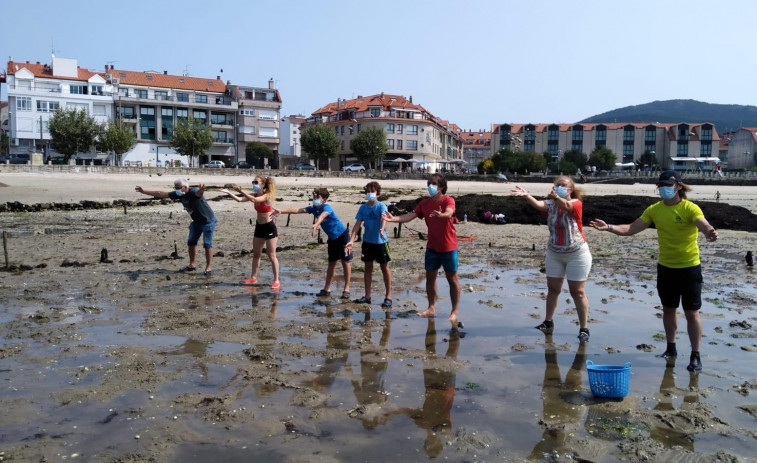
[679, 274]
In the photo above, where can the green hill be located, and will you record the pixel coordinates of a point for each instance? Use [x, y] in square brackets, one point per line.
[725, 117]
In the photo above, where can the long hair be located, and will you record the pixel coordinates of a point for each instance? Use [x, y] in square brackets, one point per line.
[575, 192]
[684, 189]
[269, 188]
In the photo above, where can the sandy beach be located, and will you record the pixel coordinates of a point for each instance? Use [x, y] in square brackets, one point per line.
[129, 360]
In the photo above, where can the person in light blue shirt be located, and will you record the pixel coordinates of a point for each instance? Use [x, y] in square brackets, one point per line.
[375, 247]
[338, 237]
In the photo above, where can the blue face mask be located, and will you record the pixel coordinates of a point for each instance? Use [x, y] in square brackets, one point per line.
[370, 197]
[667, 192]
[255, 187]
[433, 190]
[317, 203]
[179, 192]
[561, 191]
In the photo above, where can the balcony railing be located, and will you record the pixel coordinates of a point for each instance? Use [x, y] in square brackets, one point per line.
[223, 140]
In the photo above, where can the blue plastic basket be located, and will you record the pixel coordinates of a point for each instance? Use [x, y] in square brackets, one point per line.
[609, 380]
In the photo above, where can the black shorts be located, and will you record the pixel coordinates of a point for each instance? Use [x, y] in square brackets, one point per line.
[266, 231]
[682, 285]
[336, 248]
[374, 252]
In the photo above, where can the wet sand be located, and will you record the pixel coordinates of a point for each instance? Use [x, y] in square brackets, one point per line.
[132, 361]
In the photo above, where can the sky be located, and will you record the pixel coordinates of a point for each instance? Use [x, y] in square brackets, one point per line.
[474, 63]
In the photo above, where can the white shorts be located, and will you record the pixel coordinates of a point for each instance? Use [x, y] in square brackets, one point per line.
[573, 265]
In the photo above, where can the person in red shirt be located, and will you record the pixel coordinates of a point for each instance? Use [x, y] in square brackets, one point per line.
[441, 250]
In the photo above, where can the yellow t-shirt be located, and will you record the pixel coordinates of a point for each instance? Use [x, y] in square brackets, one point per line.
[676, 232]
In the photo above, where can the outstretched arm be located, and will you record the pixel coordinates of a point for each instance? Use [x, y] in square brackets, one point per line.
[400, 218]
[317, 223]
[153, 193]
[536, 204]
[709, 231]
[236, 198]
[620, 230]
[200, 190]
[292, 210]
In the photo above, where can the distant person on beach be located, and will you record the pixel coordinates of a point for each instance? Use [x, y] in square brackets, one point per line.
[568, 254]
[679, 273]
[375, 247]
[203, 219]
[441, 250]
[262, 198]
[338, 237]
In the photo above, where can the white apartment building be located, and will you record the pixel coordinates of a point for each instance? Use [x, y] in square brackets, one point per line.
[680, 146]
[36, 90]
[291, 127]
[415, 137]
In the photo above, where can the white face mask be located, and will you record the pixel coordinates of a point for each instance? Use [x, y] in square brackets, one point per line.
[370, 197]
[317, 203]
[432, 190]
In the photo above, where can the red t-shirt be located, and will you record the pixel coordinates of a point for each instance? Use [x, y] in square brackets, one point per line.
[442, 236]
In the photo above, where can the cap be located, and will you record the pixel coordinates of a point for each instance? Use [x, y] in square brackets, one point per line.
[669, 178]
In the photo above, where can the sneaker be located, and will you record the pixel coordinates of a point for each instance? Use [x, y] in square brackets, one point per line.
[249, 281]
[695, 363]
[669, 354]
[363, 300]
[276, 285]
[387, 303]
[324, 293]
[583, 334]
[547, 327]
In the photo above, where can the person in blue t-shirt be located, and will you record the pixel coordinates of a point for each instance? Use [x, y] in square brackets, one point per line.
[375, 242]
[338, 236]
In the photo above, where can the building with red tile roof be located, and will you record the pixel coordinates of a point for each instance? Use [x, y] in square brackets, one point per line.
[477, 146]
[415, 137]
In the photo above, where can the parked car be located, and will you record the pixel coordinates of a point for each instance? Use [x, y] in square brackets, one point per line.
[215, 165]
[243, 165]
[18, 158]
[354, 168]
[302, 166]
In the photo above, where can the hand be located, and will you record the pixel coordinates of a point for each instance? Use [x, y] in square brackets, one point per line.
[435, 213]
[389, 217]
[552, 194]
[348, 247]
[712, 235]
[202, 187]
[238, 188]
[315, 230]
[599, 224]
[519, 191]
[139, 189]
[275, 213]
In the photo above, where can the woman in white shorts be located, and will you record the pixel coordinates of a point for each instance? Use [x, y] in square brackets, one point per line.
[568, 254]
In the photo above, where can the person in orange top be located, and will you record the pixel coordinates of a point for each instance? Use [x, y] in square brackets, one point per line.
[262, 198]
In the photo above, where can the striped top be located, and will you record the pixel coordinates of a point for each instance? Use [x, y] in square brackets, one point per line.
[566, 232]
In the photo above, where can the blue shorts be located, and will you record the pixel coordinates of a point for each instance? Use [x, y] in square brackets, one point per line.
[204, 229]
[448, 260]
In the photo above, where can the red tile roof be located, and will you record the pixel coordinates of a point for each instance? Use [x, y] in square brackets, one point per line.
[363, 103]
[156, 79]
[46, 71]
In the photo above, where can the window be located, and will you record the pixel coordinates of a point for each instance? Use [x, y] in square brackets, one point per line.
[390, 144]
[389, 128]
[412, 145]
[706, 132]
[202, 115]
[220, 119]
[412, 129]
[399, 144]
[578, 146]
[247, 112]
[247, 129]
[650, 134]
[553, 133]
[219, 137]
[578, 133]
[182, 113]
[184, 97]
[628, 133]
[268, 132]
[399, 128]
[147, 122]
[98, 110]
[123, 92]
[706, 149]
[97, 90]
[682, 149]
[358, 127]
[268, 115]
[166, 123]
[161, 95]
[47, 106]
[601, 134]
[141, 93]
[376, 112]
[24, 103]
[147, 111]
[127, 112]
[201, 98]
[341, 146]
[77, 89]
[342, 130]
[78, 107]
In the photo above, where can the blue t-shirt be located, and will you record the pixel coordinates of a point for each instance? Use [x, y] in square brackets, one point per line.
[331, 225]
[371, 217]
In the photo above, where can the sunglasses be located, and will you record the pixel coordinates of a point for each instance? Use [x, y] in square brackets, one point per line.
[254, 182]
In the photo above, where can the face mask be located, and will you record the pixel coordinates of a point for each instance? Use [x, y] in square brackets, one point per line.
[179, 192]
[667, 192]
[370, 197]
[317, 203]
[561, 191]
[432, 190]
[255, 187]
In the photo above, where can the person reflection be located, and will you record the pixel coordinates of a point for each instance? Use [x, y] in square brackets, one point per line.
[264, 332]
[369, 384]
[663, 432]
[439, 381]
[559, 416]
[336, 353]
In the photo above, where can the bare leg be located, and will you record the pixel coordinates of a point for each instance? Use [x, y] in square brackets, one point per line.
[430, 293]
[270, 247]
[347, 269]
[329, 276]
[368, 279]
[578, 293]
[257, 251]
[454, 295]
[670, 323]
[387, 279]
[554, 287]
[192, 251]
[694, 327]
[208, 259]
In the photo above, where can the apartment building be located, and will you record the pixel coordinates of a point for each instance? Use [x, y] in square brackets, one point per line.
[680, 146]
[477, 146]
[742, 149]
[415, 137]
[291, 127]
[36, 90]
[257, 118]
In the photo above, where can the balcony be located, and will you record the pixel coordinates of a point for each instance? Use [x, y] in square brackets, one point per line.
[223, 140]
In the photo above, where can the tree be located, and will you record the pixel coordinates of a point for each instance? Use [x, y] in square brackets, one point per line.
[118, 138]
[72, 131]
[577, 158]
[603, 158]
[647, 159]
[256, 151]
[369, 145]
[319, 141]
[4, 142]
[191, 137]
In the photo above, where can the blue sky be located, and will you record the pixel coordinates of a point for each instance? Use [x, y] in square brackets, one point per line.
[472, 62]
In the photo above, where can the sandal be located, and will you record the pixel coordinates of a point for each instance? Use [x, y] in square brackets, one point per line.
[249, 281]
[276, 285]
[208, 273]
[387, 303]
[362, 300]
[188, 269]
[345, 294]
[324, 293]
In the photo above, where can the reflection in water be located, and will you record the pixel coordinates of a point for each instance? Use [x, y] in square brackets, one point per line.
[669, 435]
[337, 351]
[559, 416]
[369, 389]
[264, 312]
[196, 349]
[439, 381]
